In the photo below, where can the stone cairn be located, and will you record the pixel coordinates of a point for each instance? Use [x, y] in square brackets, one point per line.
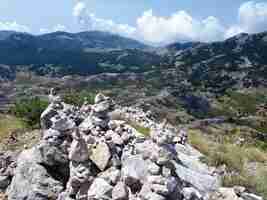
[85, 155]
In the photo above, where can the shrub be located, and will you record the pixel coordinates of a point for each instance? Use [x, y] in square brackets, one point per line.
[29, 109]
[260, 182]
[235, 158]
[9, 124]
[141, 129]
[199, 142]
[78, 98]
[256, 184]
[230, 155]
[231, 180]
[256, 155]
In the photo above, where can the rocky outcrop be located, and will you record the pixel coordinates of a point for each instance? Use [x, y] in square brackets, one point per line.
[32, 180]
[86, 155]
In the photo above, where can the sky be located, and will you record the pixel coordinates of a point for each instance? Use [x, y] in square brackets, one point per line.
[149, 21]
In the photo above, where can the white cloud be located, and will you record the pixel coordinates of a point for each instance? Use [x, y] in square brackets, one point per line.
[232, 31]
[178, 27]
[59, 27]
[14, 26]
[210, 29]
[44, 30]
[89, 21]
[159, 29]
[150, 28]
[95, 23]
[252, 18]
[79, 8]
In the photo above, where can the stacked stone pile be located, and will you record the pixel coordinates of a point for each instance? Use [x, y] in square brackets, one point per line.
[85, 155]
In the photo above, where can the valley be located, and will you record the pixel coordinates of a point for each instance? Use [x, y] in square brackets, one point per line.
[216, 91]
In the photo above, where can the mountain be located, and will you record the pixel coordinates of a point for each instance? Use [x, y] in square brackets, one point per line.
[68, 41]
[182, 46]
[239, 61]
[82, 53]
[82, 40]
[215, 93]
[240, 49]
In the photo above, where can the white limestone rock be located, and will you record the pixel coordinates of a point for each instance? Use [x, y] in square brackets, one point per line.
[100, 189]
[120, 192]
[101, 155]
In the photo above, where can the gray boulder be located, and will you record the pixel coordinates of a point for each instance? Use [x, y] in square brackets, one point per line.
[111, 175]
[120, 192]
[134, 172]
[4, 182]
[249, 196]
[192, 171]
[32, 180]
[100, 189]
[205, 183]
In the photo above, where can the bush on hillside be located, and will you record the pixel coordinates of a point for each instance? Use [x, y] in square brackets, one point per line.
[78, 98]
[29, 109]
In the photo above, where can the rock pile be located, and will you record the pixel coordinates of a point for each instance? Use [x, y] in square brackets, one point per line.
[86, 155]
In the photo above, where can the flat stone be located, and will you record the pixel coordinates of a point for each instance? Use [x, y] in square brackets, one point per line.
[154, 196]
[120, 192]
[99, 189]
[249, 196]
[190, 193]
[111, 175]
[78, 151]
[205, 183]
[134, 170]
[101, 156]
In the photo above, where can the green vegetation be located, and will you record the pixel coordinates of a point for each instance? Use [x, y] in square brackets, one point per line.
[256, 183]
[78, 98]
[239, 103]
[29, 110]
[236, 159]
[9, 124]
[141, 129]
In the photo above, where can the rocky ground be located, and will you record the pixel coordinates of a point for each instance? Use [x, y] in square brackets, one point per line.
[100, 151]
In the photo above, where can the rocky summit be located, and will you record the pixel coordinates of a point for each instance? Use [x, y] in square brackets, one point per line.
[96, 153]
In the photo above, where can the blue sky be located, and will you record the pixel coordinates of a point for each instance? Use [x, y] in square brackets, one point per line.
[151, 21]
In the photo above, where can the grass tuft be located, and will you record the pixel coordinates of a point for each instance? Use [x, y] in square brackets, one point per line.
[141, 129]
[235, 158]
[9, 124]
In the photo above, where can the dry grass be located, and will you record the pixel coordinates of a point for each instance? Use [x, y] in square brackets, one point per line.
[235, 158]
[9, 124]
[256, 155]
[230, 155]
[199, 142]
[256, 184]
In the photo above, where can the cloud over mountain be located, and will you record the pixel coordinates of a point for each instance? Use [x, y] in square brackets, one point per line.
[251, 17]
[14, 26]
[180, 26]
[89, 21]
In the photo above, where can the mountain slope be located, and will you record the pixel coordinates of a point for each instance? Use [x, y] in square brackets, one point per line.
[240, 61]
[93, 39]
[82, 53]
